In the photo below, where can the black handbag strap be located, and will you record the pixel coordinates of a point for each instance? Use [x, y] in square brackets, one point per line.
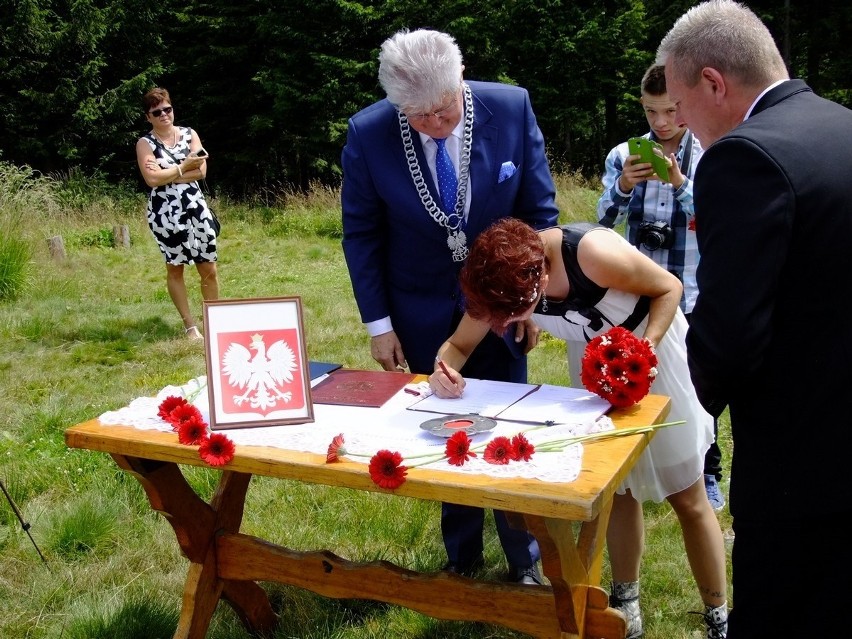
[163, 148]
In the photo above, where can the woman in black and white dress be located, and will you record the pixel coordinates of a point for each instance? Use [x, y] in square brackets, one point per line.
[177, 212]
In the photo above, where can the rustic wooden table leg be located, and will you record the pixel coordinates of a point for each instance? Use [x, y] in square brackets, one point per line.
[196, 525]
[572, 563]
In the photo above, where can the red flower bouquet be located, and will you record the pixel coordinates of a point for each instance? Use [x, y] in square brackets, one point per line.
[619, 367]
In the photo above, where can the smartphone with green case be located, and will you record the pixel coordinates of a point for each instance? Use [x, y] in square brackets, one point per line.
[650, 152]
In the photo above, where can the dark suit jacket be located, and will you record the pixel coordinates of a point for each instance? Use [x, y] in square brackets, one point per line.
[397, 256]
[771, 334]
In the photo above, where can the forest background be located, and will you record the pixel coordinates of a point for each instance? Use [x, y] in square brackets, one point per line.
[270, 84]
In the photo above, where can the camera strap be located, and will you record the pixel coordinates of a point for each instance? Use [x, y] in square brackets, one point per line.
[686, 162]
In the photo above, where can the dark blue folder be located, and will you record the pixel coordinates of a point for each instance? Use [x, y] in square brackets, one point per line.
[321, 368]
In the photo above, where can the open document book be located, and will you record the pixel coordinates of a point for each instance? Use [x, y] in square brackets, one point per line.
[523, 403]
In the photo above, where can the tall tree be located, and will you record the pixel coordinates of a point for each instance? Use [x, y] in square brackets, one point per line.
[73, 72]
[581, 62]
[270, 84]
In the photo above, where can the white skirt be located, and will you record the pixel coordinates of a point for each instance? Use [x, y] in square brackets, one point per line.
[674, 459]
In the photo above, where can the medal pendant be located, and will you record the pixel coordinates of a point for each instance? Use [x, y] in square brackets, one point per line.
[457, 241]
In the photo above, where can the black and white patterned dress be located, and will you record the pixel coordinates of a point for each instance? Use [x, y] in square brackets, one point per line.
[178, 214]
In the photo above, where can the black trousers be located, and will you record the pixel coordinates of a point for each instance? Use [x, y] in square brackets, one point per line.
[713, 456]
[462, 526]
[791, 574]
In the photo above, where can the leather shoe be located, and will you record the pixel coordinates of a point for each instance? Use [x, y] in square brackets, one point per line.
[525, 575]
[464, 569]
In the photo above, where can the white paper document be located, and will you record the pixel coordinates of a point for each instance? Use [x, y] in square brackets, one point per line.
[527, 403]
[557, 405]
[480, 397]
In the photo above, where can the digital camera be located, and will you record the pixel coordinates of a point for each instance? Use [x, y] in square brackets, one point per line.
[655, 235]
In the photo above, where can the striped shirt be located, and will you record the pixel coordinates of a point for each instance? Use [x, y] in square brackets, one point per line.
[656, 201]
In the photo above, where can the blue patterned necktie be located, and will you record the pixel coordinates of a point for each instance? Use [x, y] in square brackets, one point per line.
[448, 183]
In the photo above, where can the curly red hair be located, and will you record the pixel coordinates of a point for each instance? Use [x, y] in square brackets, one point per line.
[502, 275]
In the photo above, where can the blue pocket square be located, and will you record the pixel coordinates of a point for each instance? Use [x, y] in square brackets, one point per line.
[507, 170]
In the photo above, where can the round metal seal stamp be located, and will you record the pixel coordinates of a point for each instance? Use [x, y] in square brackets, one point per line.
[449, 425]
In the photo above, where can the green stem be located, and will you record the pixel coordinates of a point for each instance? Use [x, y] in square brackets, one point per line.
[194, 394]
[557, 445]
[344, 452]
[424, 463]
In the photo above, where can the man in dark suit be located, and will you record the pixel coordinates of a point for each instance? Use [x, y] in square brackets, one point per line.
[424, 171]
[770, 335]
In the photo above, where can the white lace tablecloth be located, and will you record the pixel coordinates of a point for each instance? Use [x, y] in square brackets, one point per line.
[367, 430]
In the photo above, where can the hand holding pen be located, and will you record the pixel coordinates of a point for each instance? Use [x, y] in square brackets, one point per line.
[445, 382]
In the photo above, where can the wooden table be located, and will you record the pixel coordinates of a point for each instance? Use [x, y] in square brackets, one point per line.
[225, 564]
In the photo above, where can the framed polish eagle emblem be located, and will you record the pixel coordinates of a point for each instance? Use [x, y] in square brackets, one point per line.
[257, 365]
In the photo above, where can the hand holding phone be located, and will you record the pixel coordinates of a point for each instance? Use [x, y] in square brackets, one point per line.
[652, 153]
[201, 153]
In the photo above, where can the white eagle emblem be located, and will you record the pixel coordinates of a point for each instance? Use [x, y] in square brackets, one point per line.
[457, 242]
[261, 375]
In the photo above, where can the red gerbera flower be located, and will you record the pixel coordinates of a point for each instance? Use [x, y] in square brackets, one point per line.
[643, 348]
[522, 447]
[335, 449]
[192, 431]
[386, 469]
[592, 367]
[168, 405]
[217, 450]
[620, 398]
[498, 451]
[637, 367]
[183, 412]
[617, 370]
[458, 449]
[610, 352]
[620, 334]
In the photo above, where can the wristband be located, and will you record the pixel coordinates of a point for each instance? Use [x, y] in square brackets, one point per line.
[180, 173]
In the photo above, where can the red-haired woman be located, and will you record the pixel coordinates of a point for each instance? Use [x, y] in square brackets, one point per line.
[578, 281]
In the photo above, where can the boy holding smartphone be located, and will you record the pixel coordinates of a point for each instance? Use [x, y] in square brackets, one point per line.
[660, 222]
[660, 217]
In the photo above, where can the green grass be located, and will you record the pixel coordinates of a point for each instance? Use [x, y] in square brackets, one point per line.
[96, 330]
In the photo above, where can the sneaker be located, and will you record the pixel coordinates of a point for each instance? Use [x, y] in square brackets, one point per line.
[714, 492]
[716, 620]
[625, 599]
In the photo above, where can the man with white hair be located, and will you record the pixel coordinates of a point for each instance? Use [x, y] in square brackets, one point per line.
[424, 172]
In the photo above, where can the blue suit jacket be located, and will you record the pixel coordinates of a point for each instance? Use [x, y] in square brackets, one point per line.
[397, 255]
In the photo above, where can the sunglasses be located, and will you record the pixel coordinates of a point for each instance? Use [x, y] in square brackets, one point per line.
[158, 112]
